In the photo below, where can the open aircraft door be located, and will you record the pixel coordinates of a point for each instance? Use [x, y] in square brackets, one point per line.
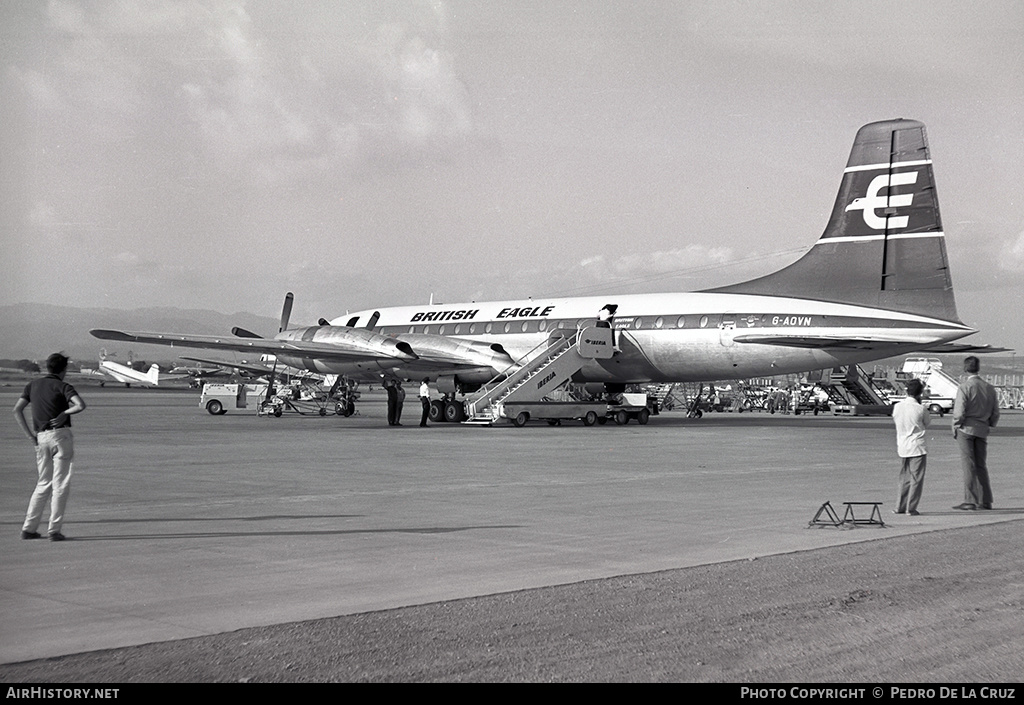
[727, 330]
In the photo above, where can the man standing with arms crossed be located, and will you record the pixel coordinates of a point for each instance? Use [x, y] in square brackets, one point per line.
[975, 411]
[53, 401]
[911, 420]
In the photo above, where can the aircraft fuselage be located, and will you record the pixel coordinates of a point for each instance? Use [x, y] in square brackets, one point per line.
[673, 337]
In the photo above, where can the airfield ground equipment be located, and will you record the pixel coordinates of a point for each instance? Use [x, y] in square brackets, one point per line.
[217, 398]
[853, 392]
[826, 515]
[939, 388]
[308, 397]
[535, 387]
[304, 397]
[621, 409]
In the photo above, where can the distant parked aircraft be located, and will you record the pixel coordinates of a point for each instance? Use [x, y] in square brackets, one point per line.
[128, 376]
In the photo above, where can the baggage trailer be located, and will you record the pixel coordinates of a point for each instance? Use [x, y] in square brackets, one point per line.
[554, 412]
[861, 410]
[621, 411]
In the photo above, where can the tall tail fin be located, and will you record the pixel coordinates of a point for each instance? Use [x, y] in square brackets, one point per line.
[153, 376]
[884, 245]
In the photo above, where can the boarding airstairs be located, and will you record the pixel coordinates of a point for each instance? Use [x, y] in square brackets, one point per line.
[851, 391]
[940, 388]
[662, 395]
[543, 370]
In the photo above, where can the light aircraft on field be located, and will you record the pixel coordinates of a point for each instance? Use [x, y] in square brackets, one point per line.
[876, 284]
[128, 376]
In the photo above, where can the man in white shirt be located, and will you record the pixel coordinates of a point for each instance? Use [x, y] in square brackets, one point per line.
[425, 401]
[911, 419]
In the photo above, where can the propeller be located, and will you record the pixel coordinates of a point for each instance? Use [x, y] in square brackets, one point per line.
[270, 383]
[286, 312]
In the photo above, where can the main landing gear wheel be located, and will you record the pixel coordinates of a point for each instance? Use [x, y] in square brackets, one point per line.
[436, 413]
[590, 419]
[454, 412]
[521, 418]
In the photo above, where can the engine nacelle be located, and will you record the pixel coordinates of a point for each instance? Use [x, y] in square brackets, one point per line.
[343, 350]
[447, 384]
[457, 351]
[464, 382]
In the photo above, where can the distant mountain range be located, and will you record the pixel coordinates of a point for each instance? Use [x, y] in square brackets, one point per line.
[33, 331]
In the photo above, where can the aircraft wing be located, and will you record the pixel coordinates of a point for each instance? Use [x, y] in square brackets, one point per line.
[173, 375]
[335, 352]
[227, 364]
[963, 348]
[860, 343]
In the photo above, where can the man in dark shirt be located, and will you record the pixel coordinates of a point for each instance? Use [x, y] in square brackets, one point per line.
[392, 391]
[53, 401]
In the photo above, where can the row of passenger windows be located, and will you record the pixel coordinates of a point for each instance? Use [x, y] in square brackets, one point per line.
[534, 326]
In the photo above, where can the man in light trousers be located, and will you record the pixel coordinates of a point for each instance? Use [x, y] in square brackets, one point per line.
[911, 419]
[52, 401]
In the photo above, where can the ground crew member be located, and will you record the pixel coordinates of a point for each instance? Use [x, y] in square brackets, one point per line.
[425, 401]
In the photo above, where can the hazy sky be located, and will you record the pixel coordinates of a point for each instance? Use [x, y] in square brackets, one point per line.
[218, 154]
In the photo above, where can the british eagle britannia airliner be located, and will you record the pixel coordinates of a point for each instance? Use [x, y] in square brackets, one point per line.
[876, 284]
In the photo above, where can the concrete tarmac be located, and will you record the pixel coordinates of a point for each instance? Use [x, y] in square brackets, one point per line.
[184, 524]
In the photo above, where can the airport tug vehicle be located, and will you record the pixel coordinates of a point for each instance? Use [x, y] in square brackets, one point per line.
[218, 398]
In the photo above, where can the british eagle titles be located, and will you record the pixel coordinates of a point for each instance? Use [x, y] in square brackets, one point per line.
[469, 314]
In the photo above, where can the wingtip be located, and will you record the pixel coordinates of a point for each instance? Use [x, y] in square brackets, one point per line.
[105, 334]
